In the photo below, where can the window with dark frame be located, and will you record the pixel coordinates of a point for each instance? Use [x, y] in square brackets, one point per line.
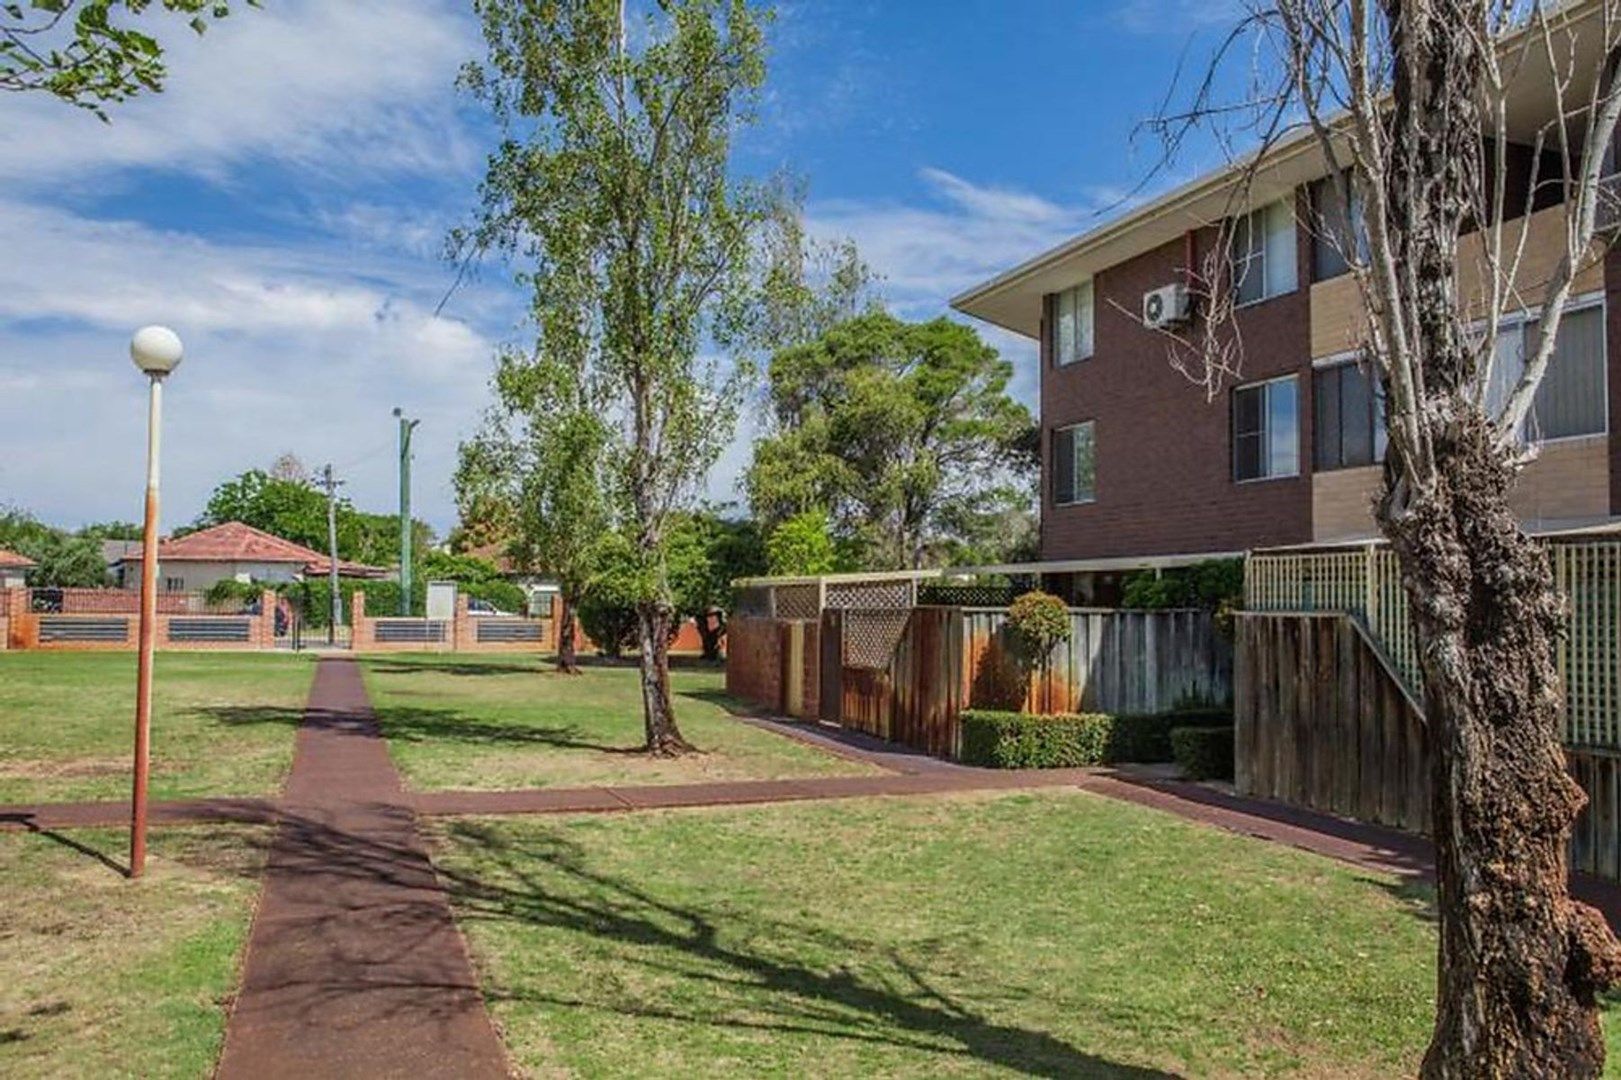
[1263, 253]
[1266, 430]
[1074, 464]
[1572, 399]
[1334, 230]
[1347, 418]
[1070, 316]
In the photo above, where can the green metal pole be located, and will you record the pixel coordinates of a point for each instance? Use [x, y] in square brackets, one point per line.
[406, 427]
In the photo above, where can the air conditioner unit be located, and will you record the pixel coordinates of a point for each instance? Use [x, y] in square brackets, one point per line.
[1166, 306]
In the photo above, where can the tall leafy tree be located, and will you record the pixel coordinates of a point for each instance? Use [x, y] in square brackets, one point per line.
[91, 53]
[613, 185]
[706, 553]
[293, 510]
[536, 474]
[897, 430]
[61, 559]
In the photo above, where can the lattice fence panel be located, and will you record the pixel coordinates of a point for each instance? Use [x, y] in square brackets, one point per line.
[753, 600]
[966, 595]
[1368, 583]
[798, 602]
[870, 595]
[870, 637]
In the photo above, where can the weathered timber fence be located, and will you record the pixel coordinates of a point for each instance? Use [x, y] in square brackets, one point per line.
[910, 691]
[1119, 662]
[906, 675]
[1367, 582]
[1324, 721]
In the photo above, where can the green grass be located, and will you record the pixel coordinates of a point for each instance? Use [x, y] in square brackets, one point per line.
[101, 976]
[504, 722]
[1051, 934]
[222, 724]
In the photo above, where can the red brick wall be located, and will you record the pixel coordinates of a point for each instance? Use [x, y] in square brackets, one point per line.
[1164, 454]
[754, 661]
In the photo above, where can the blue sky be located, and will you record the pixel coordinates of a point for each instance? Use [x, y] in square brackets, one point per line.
[283, 206]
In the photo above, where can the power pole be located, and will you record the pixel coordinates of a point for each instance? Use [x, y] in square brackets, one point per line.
[331, 484]
[406, 427]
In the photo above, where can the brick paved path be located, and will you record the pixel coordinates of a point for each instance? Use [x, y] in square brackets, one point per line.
[354, 966]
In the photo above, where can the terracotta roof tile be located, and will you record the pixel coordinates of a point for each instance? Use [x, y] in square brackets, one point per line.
[10, 560]
[235, 542]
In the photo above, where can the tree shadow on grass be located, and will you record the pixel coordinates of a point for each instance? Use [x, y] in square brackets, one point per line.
[413, 724]
[765, 973]
[537, 665]
[550, 884]
[27, 824]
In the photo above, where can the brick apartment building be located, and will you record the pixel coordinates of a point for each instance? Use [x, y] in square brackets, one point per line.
[1141, 467]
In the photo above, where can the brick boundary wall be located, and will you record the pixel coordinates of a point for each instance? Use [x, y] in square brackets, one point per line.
[756, 654]
[20, 628]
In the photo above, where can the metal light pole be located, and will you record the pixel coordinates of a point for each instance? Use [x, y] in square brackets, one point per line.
[406, 427]
[156, 350]
[331, 484]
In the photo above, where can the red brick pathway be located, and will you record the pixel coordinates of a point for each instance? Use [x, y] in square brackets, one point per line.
[354, 966]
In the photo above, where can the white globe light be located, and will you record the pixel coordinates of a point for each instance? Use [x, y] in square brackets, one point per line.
[156, 350]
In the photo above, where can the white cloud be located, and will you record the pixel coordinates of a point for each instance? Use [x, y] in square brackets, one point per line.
[1177, 17]
[286, 349]
[329, 87]
[963, 233]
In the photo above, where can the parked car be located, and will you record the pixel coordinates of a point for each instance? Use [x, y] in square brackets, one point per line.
[487, 610]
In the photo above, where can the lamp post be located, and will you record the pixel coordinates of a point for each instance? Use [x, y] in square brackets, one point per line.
[156, 350]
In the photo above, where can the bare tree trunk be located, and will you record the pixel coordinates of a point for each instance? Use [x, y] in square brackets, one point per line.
[1520, 962]
[663, 737]
[568, 661]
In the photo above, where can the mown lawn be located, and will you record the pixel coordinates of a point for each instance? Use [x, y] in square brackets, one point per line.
[101, 976]
[504, 722]
[1056, 934]
[222, 724]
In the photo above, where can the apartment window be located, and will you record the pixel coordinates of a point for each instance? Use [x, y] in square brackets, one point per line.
[1334, 230]
[1264, 253]
[1072, 324]
[1572, 398]
[1348, 418]
[174, 584]
[1074, 465]
[1266, 430]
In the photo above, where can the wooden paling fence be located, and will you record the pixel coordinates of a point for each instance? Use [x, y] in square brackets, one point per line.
[899, 675]
[1118, 662]
[1367, 582]
[1324, 721]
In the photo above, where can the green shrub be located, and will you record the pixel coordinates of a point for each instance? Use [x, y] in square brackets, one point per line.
[1203, 753]
[1039, 623]
[1010, 740]
[1147, 738]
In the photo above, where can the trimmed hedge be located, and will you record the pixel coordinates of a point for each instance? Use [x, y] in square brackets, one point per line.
[1013, 740]
[1204, 753]
[1148, 738]
[1010, 740]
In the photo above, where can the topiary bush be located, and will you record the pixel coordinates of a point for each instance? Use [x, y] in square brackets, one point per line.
[1203, 753]
[1039, 623]
[1011, 740]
